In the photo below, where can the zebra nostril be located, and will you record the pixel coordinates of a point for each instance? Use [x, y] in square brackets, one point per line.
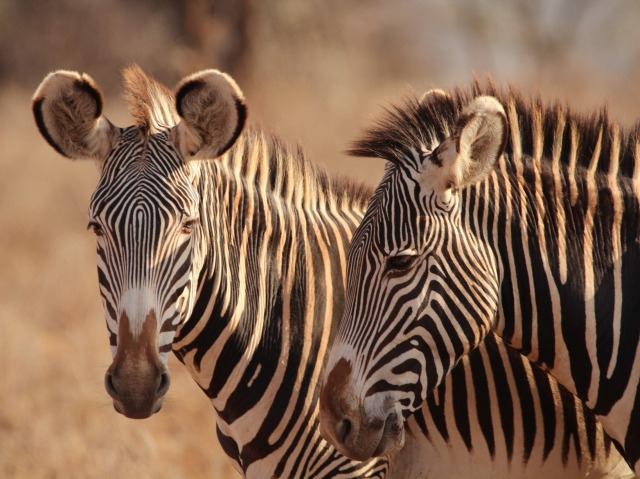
[343, 430]
[163, 387]
[110, 386]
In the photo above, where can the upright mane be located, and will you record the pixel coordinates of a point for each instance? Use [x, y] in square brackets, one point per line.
[257, 156]
[274, 166]
[151, 104]
[593, 140]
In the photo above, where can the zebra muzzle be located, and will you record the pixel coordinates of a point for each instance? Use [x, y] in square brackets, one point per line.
[135, 398]
[357, 431]
[137, 380]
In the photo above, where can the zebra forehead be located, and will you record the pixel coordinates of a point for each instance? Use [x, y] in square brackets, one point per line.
[151, 104]
[141, 156]
[138, 197]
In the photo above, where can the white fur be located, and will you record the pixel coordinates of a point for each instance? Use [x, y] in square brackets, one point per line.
[137, 304]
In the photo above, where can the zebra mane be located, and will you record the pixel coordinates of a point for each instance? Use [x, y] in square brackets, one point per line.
[266, 160]
[273, 165]
[151, 104]
[413, 125]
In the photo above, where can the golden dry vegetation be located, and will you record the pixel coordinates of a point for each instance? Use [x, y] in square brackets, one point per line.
[315, 74]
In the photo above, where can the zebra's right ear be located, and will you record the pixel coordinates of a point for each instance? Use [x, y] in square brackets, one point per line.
[213, 112]
[468, 156]
[67, 108]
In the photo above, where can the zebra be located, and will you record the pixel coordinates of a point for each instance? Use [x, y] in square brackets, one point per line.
[496, 212]
[224, 245]
[226, 263]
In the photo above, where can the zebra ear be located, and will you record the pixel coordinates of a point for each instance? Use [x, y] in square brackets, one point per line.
[67, 107]
[213, 112]
[479, 139]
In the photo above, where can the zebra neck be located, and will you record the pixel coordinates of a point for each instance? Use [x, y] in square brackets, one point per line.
[566, 240]
[270, 289]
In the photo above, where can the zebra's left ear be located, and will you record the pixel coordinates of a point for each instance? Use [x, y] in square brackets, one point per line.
[213, 112]
[468, 156]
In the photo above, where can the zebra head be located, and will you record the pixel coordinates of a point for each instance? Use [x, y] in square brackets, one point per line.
[421, 287]
[145, 210]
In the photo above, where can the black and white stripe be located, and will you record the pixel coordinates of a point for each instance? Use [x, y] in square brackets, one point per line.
[240, 261]
[543, 248]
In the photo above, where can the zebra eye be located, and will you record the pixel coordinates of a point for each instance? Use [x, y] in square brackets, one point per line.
[188, 225]
[400, 262]
[97, 229]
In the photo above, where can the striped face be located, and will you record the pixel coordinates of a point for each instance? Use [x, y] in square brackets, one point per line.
[144, 214]
[409, 282]
[422, 290]
[145, 210]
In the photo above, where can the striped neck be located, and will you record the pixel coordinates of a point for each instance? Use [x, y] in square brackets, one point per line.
[564, 229]
[276, 233]
[561, 234]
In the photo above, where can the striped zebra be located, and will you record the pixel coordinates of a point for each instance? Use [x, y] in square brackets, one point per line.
[237, 266]
[521, 219]
[227, 263]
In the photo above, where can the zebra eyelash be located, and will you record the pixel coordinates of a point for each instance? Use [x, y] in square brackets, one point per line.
[188, 225]
[400, 262]
[96, 228]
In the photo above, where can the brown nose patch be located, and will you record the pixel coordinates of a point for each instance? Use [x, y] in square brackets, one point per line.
[334, 384]
[136, 375]
[140, 349]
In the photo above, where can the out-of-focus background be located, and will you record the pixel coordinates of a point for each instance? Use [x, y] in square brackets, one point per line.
[315, 72]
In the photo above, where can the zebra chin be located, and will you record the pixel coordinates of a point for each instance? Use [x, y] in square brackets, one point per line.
[137, 409]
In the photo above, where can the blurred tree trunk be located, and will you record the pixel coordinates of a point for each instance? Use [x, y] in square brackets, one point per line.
[217, 33]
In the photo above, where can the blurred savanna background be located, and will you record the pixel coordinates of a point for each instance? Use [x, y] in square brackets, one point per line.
[316, 72]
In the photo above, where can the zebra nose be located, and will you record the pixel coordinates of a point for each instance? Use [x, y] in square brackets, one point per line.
[110, 386]
[337, 423]
[110, 382]
[339, 419]
[136, 396]
[163, 387]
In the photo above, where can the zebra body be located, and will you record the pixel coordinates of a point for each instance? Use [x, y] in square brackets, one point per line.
[226, 263]
[237, 266]
[540, 244]
[498, 415]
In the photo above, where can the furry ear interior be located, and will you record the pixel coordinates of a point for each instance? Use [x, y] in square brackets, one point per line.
[67, 107]
[213, 113]
[469, 155]
[482, 137]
